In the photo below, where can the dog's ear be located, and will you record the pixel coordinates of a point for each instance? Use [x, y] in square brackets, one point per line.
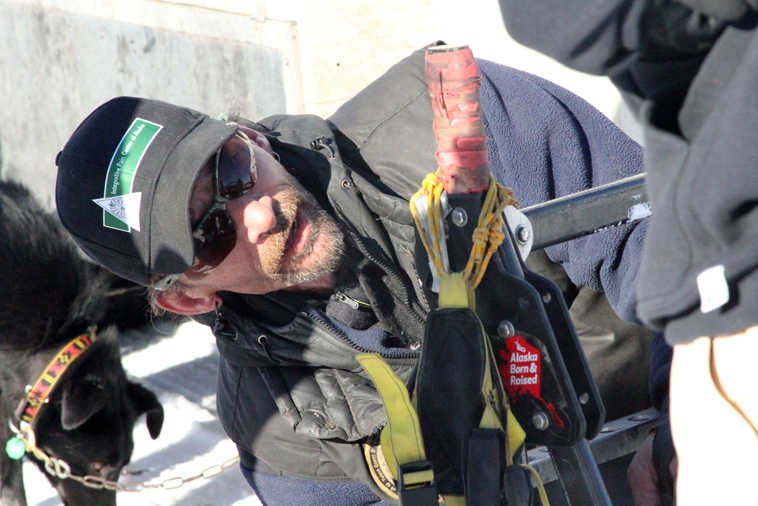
[81, 400]
[145, 401]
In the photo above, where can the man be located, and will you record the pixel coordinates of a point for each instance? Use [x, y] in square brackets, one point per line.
[292, 238]
[689, 68]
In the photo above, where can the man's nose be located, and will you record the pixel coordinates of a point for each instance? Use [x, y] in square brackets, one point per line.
[258, 217]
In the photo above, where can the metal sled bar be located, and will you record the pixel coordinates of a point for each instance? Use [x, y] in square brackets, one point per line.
[588, 211]
[617, 442]
[579, 474]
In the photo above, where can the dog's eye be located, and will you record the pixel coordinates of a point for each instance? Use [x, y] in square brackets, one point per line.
[95, 381]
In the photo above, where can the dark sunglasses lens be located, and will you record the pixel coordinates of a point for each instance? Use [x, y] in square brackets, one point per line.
[236, 169]
[214, 238]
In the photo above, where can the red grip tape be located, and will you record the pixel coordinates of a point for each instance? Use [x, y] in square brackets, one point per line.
[464, 159]
[452, 77]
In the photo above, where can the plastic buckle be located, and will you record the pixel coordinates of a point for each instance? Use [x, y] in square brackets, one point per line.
[415, 484]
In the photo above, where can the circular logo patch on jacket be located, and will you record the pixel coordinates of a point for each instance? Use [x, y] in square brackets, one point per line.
[380, 471]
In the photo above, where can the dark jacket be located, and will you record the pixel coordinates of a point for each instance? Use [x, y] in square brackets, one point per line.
[290, 393]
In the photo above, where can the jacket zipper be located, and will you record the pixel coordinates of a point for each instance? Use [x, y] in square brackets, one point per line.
[386, 266]
[351, 301]
[343, 336]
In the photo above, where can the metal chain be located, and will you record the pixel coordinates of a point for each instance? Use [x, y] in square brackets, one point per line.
[60, 469]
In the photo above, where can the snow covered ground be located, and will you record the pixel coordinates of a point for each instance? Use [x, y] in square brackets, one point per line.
[177, 362]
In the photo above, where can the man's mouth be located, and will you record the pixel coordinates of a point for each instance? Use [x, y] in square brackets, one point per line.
[298, 241]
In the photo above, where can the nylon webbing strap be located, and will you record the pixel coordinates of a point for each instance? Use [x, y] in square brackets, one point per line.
[455, 291]
[37, 396]
[401, 439]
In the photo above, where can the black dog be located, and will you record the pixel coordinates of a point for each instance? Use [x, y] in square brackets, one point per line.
[48, 296]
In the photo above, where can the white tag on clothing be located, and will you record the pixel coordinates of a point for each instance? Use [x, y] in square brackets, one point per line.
[713, 288]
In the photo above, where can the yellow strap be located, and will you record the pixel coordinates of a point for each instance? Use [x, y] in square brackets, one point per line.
[455, 291]
[402, 441]
[401, 438]
[516, 434]
[454, 500]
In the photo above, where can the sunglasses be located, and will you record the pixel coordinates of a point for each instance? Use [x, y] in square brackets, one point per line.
[214, 235]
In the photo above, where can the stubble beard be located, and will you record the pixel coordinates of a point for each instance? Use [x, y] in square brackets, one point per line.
[309, 264]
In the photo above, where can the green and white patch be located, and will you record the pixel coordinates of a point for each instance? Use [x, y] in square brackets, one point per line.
[121, 207]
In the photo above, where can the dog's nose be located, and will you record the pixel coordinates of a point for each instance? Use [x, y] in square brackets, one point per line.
[104, 471]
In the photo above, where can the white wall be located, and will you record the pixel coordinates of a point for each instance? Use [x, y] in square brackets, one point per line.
[345, 44]
[59, 60]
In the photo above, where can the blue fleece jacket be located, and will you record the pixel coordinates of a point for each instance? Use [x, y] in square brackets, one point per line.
[546, 142]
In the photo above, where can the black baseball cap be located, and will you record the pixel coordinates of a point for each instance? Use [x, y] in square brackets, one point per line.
[125, 180]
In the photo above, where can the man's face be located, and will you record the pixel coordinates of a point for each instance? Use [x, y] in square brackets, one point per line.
[285, 240]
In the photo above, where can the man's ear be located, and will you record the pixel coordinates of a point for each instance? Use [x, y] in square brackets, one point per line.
[180, 303]
[258, 138]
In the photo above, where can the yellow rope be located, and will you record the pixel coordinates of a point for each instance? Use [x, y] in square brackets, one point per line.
[541, 492]
[487, 236]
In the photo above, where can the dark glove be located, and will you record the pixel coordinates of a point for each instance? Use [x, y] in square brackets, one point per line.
[722, 10]
[674, 30]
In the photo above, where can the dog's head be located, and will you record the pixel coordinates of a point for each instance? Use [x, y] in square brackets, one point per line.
[88, 421]
[49, 295]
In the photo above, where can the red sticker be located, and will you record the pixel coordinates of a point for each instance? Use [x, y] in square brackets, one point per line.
[520, 367]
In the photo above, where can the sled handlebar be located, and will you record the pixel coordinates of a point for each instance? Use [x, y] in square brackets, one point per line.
[452, 76]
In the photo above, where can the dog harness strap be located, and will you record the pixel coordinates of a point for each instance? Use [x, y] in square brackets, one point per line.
[29, 407]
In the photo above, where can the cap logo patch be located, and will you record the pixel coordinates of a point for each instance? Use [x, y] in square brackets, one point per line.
[121, 207]
[124, 207]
